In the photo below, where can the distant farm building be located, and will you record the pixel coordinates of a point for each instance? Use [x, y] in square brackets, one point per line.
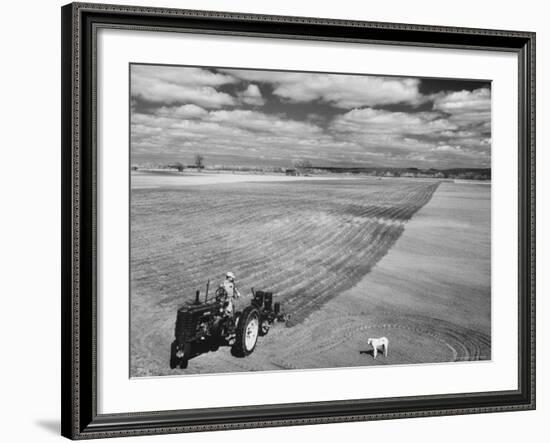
[291, 172]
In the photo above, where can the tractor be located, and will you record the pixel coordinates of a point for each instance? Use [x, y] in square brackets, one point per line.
[204, 326]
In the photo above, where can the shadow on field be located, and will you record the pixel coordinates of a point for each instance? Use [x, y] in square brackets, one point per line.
[368, 352]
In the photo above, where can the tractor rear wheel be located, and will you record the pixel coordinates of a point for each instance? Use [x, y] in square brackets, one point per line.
[247, 332]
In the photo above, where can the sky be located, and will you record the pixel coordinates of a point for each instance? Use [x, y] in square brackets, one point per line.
[239, 117]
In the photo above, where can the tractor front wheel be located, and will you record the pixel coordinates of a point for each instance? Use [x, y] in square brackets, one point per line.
[179, 357]
[173, 358]
[184, 359]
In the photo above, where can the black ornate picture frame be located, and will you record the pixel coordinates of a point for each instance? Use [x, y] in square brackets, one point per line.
[80, 418]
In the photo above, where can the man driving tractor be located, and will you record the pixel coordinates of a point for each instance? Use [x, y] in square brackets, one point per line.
[232, 292]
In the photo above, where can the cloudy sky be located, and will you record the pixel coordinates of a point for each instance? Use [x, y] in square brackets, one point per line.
[272, 118]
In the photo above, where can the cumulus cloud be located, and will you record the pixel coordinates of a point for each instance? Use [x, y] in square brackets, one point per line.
[260, 122]
[466, 107]
[351, 93]
[433, 138]
[161, 84]
[470, 111]
[342, 91]
[236, 132]
[183, 111]
[363, 135]
[266, 116]
[447, 148]
[161, 92]
[377, 121]
[464, 101]
[179, 75]
[252, 96]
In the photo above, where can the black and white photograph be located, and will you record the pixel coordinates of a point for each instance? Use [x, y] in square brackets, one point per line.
[285, 220]
[275, 221]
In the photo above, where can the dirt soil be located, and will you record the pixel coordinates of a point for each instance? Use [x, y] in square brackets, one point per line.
[430, 296]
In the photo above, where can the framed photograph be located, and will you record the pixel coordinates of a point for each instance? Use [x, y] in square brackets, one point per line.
[273, 221]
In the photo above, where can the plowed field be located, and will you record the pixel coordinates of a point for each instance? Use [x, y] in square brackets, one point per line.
[306, 241]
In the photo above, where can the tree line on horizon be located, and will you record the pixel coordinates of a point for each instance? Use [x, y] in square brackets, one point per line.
[305, 167]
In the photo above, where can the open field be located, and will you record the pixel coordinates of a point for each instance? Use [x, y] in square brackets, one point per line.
[430, 295]
[161, 179]
[314, 244]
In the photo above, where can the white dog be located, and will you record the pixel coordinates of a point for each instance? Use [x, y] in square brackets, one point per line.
[377, 343]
